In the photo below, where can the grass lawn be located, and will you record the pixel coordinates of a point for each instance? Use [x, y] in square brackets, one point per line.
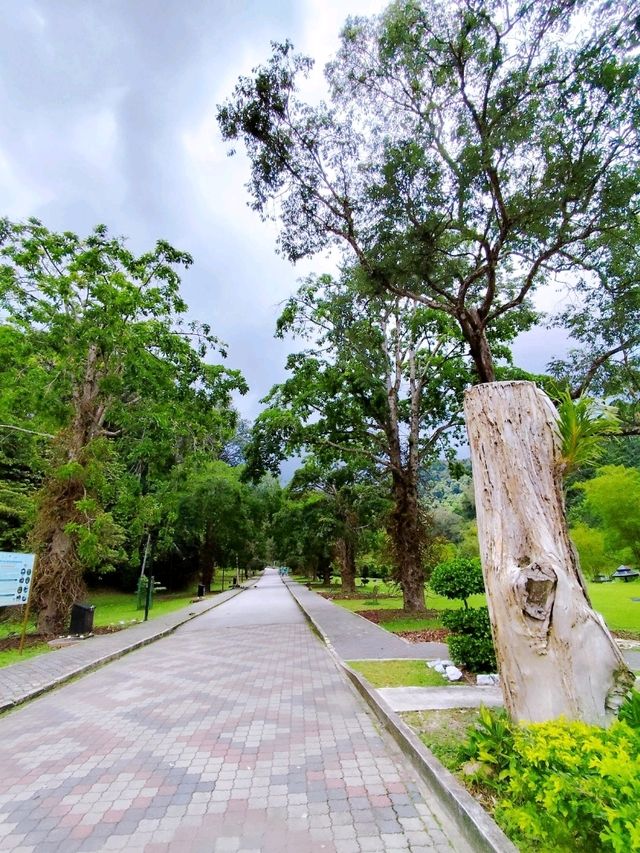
[398, 673]
[433, 601]
[614, 601]
[409, 624]
[443, 732]
[112, 608]
[12, 656]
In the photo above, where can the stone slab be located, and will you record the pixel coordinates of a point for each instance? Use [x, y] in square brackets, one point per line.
[439, 698]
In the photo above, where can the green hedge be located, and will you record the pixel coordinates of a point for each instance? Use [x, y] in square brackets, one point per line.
[470, 642]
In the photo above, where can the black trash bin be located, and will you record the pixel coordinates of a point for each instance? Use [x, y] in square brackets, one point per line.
[200, 590]
[81, 619]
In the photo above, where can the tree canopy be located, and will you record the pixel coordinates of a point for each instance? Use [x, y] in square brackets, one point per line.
[110, 370]
[468, 152]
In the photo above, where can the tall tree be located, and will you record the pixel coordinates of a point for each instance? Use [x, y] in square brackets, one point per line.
[470, 153]
[379, 388]
[110, 353]
[353, 495]
[491, 155]
[304, 530]
[214, 513]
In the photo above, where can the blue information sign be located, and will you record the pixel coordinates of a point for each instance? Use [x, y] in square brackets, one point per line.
[16, 572]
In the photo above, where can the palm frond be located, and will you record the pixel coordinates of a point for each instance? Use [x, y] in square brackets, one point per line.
[582, 425]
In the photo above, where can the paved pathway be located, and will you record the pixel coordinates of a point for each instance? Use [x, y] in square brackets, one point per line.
[29, 678]
[355, 638]
[235, 733]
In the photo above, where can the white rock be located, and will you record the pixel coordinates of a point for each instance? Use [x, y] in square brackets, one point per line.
[453, 673]
[439, 668]
[487, 680]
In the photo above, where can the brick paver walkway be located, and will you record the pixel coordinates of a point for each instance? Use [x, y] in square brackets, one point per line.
[26, 679]
[236, 733]
[355, 638]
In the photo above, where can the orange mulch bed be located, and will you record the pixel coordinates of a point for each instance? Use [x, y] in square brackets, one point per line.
[432, 635]
[379, 616]
[426, 635]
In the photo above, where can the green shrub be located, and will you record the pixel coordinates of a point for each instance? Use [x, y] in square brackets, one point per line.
[470, 643]
[458, 578]
[562, 786]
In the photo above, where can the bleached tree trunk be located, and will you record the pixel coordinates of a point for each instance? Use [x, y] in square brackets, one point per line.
[555, 654]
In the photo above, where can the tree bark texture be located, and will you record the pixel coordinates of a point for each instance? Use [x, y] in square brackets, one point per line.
[58, 582]
[206, 556]
[324, 570]
[406, 532]
[555, 654]
[346, 554]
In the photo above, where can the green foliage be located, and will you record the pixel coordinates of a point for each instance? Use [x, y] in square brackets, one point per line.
[596, 556]
[575, 785]
[470, 642]
[582, 424]
[487, 173]
[561, 785]
[630, 710]
[374, 394]
[613, 496]
[375, 592]
[490, 741]
[99, 359]
[469, 545]
[458, 578]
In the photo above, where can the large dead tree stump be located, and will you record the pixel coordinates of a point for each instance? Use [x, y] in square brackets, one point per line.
[555, 654]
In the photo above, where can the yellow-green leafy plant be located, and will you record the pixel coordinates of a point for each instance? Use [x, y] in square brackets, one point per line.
[561, 785]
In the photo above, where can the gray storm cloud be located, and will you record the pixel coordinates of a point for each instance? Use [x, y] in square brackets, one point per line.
[108, 116]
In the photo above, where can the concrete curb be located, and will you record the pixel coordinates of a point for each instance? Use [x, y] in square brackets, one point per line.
[96, 663]
[473, 822]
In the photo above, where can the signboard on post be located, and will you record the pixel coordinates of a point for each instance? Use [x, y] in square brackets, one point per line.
[16, 574]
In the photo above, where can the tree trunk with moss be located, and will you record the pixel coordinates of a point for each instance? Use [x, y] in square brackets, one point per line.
[58, 578]
[555, 654]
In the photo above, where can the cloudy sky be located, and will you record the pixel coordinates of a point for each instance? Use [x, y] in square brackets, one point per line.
[108, 115]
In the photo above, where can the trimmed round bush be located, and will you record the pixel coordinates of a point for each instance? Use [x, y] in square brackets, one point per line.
[458, 578]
